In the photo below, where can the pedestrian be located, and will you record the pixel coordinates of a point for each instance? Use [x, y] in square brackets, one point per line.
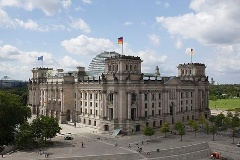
[142, 142]
[82, 145]
[129, 146]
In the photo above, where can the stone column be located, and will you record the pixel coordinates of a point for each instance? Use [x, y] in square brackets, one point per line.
[114, 105]
[142, 105]
[129, 105]
[104, 104]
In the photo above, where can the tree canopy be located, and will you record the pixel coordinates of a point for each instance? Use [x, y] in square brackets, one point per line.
[165, 128]
[179, 126]
[148, 131]
[12, 114]
[40, 129]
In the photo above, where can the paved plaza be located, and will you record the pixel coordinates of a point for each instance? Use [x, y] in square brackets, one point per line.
[87, 142]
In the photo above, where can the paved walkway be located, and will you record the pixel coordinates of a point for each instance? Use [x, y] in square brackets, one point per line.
[95, 144]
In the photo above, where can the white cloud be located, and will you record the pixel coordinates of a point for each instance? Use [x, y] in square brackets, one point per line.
[66, 3]
[30, 24]
[49, 7]
[14, 61]
[80, 24]
[83, 45]
[11, 3]
[87, 1]
[128, 23]
[215, 22]
[154, 39]
[69, 62]
[5, 21]
[179, 43]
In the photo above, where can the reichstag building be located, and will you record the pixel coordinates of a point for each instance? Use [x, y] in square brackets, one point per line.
[114, 94]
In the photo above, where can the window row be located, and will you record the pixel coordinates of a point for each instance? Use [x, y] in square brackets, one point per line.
[89, 96]
[152, 96]
[90, 111]
[153, 105]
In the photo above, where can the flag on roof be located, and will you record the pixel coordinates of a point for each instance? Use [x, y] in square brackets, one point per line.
[40, 58]
[191, 51]
[120, 40]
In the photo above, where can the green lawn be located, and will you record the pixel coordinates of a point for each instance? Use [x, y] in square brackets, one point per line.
[224, 104]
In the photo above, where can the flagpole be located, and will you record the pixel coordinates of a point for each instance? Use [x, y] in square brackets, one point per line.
[191, 57]
[122, 48]
[42, 63]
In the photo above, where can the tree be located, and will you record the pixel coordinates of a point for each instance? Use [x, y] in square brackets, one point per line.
[194, 126]
[12, 114]
[45, 127]
[207, 127]
[165, 128]
[148, 131]
[25, 137]
[233, 123]
[213, 130]
[179, 126]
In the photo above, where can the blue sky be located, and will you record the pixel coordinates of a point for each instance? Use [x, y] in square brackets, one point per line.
[70, 33]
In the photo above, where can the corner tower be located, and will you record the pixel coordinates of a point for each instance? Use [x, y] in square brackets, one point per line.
[123, 68]
[192, 71]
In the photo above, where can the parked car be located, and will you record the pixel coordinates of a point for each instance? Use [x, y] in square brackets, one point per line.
[68, 137]
[238, 144]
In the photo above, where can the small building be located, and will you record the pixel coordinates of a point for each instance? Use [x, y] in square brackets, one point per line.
[122, 97]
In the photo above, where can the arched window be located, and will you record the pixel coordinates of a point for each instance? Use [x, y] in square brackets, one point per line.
[110, 97]
[134, 97]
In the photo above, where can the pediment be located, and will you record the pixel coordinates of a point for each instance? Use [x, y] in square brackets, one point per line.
[173, 81]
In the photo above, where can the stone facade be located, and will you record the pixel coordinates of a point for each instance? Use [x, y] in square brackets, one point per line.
[122, 97]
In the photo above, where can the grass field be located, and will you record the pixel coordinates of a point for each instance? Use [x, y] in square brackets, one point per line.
[224, 104]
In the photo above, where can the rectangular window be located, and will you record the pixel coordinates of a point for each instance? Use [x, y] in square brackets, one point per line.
[80, 103]
[90, 95]
[152, 105]
[96, 105]
[85, 96]
[186, 101]
[186, 108]
[159, 112]
[191, 101]
[145, 97]
[90, 111]
[85, 103]
[181, 102]
[159, 104]
[152, 112]
[153, 96]
[126, 67]
[181, 109]
[90, 104]
[191, 94]
[159, 96]
[96, 112]
[146, 106]
[146, 114]
[80, 95]
[80, 110]
[181, 94]
[85, 110]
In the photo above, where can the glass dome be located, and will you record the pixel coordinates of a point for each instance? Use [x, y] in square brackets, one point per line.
[97, 65]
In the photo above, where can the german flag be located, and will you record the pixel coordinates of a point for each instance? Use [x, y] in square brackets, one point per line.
[120, 40]
[191, 52]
